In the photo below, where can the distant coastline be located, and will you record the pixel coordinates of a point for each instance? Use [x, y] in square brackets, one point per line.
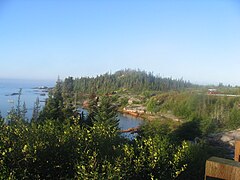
[31, 90]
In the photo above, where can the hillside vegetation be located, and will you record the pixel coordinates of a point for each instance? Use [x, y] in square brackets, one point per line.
[166, 96]
[60, 142]
[131, 80]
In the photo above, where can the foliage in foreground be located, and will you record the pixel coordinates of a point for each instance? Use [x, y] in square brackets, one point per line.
[198, 151]
[53, 150]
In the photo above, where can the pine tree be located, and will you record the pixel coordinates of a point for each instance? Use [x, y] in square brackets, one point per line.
[18, 113]
[36, 110]
[92, 109]
[106, 113]
[23, 111]
[18, 108]
[1, 115]
[54, 106]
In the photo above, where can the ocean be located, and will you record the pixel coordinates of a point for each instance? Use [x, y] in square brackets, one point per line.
[9, 89]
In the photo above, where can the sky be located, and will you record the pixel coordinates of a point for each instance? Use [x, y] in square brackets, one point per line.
[195, 40]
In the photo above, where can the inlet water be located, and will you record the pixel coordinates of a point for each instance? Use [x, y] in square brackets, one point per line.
[30, 94]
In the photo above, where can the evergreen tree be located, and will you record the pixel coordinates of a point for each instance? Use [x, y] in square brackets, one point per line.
[92, 109]
[106, 113]
[54, 105]
[23, 111]
[68, 87]
[59, 105]
[18, 108]
[18, 113]
[36, 110]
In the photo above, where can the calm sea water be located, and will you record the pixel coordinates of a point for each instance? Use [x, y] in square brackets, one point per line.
[29, 94]
[127, 121]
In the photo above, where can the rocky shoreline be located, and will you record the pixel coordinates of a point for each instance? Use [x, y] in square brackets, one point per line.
[225, 140]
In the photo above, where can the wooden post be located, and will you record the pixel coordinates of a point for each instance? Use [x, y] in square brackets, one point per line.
[222, 168]
[237, 151]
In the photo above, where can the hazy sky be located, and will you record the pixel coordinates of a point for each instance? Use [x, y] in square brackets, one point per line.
[196, 40]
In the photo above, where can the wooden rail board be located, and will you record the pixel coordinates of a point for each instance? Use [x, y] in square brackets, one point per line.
[219, 168]
[237, 151]
[222, 169]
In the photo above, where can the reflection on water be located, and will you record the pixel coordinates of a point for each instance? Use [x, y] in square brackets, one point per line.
[127, 121]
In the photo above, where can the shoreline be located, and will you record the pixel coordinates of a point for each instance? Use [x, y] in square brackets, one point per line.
[151, 117]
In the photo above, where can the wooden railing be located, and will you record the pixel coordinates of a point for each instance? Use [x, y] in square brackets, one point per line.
[220, 168]
[237, 151]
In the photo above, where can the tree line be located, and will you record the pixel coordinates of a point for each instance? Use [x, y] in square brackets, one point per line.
[132, 80]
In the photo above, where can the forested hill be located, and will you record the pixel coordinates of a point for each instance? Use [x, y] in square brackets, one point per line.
[130, 80]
